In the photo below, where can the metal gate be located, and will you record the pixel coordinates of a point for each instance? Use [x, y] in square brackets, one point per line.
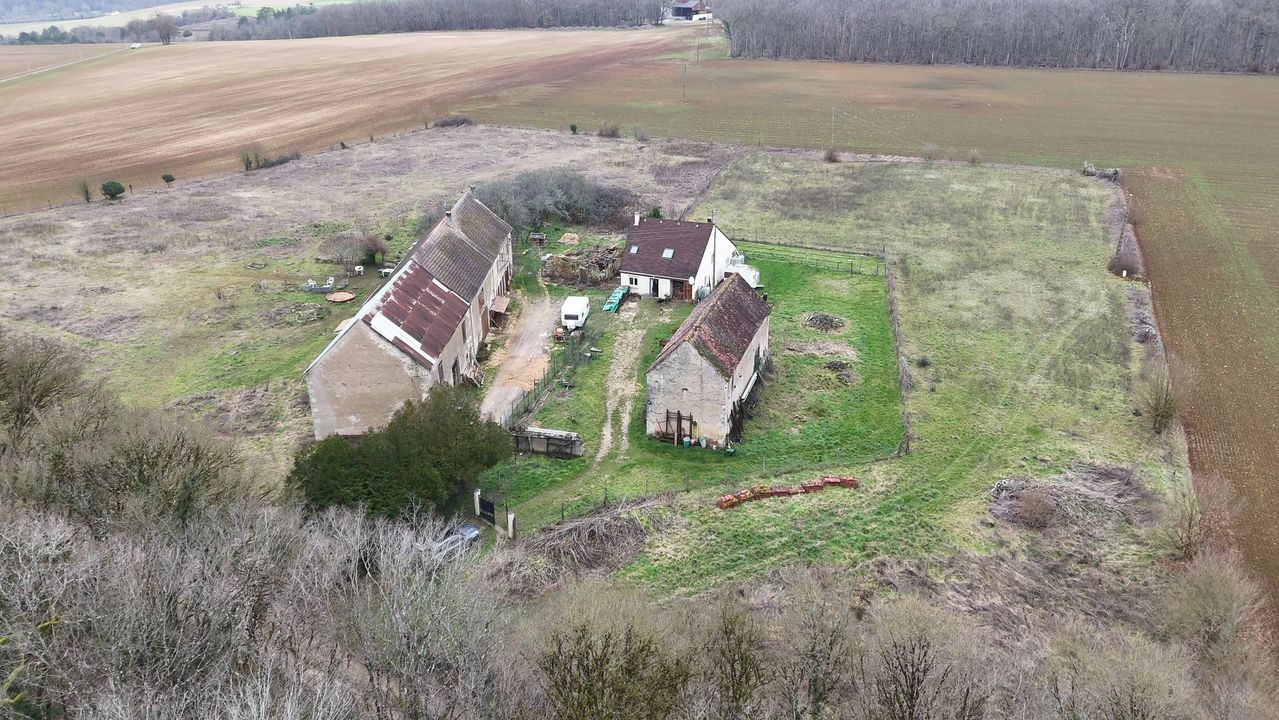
[488, 511]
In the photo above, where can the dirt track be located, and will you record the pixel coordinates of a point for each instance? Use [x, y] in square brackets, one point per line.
[621, 382]
[522, 359]
[184, 109]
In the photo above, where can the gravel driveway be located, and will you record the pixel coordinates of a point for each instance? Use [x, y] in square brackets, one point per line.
[522, 358]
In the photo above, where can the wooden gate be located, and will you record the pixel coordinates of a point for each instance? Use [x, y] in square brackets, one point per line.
[677, 427]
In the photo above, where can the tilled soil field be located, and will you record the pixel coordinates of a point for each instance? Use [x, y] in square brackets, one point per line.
[185, 109]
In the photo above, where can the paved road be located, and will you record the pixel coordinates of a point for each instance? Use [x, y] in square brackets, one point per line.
[523, 358]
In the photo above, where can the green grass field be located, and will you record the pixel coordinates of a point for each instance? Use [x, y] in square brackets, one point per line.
[1198, 151]
[1015, 334]
[1020, 356]
[809, 416]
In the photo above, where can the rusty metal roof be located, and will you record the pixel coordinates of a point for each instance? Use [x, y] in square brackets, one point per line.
[722, 326]
[651, 239]
[427, 297]
[423, 313]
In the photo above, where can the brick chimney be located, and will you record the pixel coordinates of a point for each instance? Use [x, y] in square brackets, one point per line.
[637, 215]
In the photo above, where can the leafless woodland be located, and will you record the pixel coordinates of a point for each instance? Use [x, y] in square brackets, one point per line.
[418, 15]
[142, 577]
[1191, 35]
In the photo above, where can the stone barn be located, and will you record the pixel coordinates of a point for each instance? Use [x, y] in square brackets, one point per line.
[423, 326]
[701, 382]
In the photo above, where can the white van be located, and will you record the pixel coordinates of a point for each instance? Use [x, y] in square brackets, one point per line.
[574, 312]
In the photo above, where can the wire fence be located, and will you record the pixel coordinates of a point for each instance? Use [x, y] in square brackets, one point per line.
[903, 367]
[558, 373]
[851, 266]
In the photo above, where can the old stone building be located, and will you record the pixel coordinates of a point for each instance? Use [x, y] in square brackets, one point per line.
[423, 326]
[701, 381]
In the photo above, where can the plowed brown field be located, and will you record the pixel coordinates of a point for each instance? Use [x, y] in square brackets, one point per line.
[184, 109]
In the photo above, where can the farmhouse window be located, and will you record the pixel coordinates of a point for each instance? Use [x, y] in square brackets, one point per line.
[634, 249]
[668, 253]
[634, 280]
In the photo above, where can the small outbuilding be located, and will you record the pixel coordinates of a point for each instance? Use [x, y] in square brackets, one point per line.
[702, 381]
[688, 9]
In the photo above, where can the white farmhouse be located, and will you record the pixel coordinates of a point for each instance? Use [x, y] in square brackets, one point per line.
[700, 383]
[423, 326]
[674, 258]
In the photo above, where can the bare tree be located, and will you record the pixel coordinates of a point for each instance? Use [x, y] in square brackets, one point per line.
[820, 645]
[422, 15]
[735, 663]
[1117, 34]
[165, 26]
[137, 29]
[251, 155]
[1159, 399]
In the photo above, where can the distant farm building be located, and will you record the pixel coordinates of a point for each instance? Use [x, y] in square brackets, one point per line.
[423, 326]
[674, 258]
[700, 384]
[687, 9]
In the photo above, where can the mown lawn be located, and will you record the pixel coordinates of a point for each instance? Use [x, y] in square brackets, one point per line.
[1019, 351]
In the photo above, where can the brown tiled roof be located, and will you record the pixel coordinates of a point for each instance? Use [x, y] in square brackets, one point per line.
[454, 261]
[482, 226]
[460, 249]
[653, 237]
[424, 310]
[722, 326]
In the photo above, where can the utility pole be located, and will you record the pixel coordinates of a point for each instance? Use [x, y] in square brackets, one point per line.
[684, 92]
[697, 54]
[832, 127]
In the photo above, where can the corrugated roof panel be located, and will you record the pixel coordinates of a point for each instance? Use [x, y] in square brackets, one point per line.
[424, 313]
[453, 260]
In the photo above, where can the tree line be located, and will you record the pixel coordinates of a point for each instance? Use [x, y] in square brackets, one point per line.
[160, 27]
[1187, 35]
[387, 16]
[37, 10]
